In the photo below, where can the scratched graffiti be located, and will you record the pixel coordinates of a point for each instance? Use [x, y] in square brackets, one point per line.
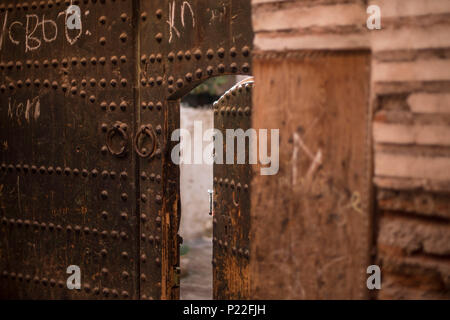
[218, 14]
[185, 8]
[21, 111]
[32, 31]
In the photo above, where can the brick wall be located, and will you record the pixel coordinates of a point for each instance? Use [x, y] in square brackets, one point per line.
[411, 133]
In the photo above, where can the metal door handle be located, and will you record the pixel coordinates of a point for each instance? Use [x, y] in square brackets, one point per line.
[210, 192]
[119, 129]
[148, 131]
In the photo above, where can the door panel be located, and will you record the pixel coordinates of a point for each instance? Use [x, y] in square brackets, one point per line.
[86, 117]
[181, 44]
[231, 222]
[68, 172]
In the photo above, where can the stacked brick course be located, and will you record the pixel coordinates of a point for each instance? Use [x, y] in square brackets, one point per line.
[411, 133]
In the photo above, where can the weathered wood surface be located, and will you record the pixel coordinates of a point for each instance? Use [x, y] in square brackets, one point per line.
[311, 224]
[232, 221]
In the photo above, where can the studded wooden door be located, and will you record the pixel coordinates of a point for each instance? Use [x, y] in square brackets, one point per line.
[182, 44]
[231, 222]
[89, 95]
[67, 112]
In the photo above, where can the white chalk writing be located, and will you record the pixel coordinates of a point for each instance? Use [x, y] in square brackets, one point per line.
[18, 111]
[172, 14]
[32, 30]
[183, 7]
[29, 35]
[3, 30]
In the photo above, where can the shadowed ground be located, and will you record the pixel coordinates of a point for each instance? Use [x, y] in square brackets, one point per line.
[196, 270]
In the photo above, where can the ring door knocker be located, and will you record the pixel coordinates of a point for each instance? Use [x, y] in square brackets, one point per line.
[118, 129]
[145, 130]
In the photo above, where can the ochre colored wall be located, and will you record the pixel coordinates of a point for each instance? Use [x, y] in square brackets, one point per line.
[311, 222]
[411, 133]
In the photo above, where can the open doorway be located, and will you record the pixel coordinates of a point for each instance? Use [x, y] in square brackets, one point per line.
[196, 180]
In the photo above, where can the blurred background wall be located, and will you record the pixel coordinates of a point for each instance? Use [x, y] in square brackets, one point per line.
[364, 154]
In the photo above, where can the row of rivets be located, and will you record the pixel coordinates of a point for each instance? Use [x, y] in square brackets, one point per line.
[187, 55]
[232, 184]
[54, 84]
[152, 81]
[158, 14]
[152, 58]
[154, 239]
[64, 62]
[123, 37]
[105, 195]
[51, 227]
[237, 251]
[112, 106]
[33, 5]
[233, 111]
[158, 221]
[49, 3]
[150, 105]
[151, 177]
[151, 238]
[225, 99]
[105, 291]
[189, 77]
[61, 284]
[60, 171]
[198, 54]
[27, 278]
